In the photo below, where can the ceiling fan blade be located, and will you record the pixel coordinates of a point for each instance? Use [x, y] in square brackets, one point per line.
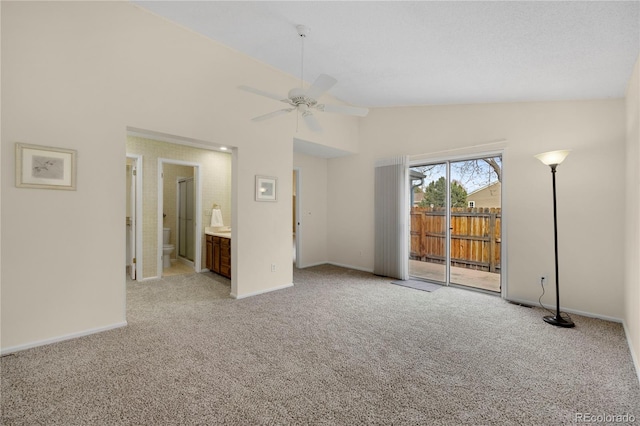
[272, 114]
[343, 109]
[322, 84]
[263, 93]
[312, 122]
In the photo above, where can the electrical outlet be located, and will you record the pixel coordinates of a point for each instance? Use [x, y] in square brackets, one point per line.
[273, 267]
[544, 279]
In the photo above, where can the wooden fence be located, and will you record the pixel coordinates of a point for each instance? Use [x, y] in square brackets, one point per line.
[475, 237]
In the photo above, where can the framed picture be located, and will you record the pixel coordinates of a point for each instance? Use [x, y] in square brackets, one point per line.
[266, 188]
[45, 167]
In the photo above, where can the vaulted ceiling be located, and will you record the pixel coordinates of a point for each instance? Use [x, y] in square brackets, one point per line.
[423, 53]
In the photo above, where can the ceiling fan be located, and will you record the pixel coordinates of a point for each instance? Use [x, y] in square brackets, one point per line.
[305, 101]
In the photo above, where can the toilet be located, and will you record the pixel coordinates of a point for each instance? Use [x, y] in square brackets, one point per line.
[167, 248]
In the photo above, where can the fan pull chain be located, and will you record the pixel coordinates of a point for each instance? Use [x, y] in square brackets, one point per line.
[302, 36]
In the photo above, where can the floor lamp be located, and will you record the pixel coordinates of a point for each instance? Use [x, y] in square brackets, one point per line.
[553, 159]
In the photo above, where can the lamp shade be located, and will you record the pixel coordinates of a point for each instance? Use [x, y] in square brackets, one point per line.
[553, 157]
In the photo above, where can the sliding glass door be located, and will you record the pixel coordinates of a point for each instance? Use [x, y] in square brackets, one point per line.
[456, 219]
[428, 251]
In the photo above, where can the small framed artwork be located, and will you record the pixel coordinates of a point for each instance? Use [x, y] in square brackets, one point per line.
[266, 188]
[45, 167]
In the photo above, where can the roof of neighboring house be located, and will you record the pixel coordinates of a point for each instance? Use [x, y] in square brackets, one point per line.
[483, 188]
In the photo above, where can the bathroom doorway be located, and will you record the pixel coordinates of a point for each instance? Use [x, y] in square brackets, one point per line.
[178, 201]
[214, 181]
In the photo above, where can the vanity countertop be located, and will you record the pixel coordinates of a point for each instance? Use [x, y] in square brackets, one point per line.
[220, 234]
[217, 232]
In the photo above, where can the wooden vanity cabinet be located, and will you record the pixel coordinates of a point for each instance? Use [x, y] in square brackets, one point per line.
[208, 262]
[225, 257]
[219, 255]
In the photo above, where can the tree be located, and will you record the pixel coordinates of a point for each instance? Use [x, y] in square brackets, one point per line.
[478, 172]
[472, 174]
[496, 164]
[435, 192]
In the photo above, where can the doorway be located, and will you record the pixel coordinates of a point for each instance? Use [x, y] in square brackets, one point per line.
[296, 218]
[178, 201]
[186, 220]
[456, 222]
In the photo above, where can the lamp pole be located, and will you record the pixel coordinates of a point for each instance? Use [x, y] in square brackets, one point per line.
[557, 319]
[553, 159]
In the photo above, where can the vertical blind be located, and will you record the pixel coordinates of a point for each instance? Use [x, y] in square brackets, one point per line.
[391, 216]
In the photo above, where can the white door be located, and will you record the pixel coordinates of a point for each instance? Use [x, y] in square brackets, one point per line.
[132, 225]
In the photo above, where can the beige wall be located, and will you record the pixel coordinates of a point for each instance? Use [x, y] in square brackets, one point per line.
[313, 209]
[591, 264]
[632, 219]
[77, 75]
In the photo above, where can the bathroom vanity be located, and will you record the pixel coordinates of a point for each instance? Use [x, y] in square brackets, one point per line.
[219, 254]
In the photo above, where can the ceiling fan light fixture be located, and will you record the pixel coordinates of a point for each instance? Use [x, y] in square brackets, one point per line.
[305, 100]
[296, 92]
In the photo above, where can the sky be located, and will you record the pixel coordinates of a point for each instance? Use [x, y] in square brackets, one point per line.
[471, 174]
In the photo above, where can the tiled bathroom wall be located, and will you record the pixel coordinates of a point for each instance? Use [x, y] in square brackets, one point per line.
[215, 168]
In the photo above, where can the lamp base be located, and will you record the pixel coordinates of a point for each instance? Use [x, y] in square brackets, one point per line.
[558, 321]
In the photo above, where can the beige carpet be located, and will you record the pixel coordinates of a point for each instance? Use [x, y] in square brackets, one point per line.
[340, 348]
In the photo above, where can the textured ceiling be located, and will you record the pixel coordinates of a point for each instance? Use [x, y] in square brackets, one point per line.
[425, 53]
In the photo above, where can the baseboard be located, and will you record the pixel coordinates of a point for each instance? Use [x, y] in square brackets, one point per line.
[313, 264]
[18, 348]
[256, 293]
[634, 357]
[570, 311]
[148, 279]
[357, 268]
[341, 265]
